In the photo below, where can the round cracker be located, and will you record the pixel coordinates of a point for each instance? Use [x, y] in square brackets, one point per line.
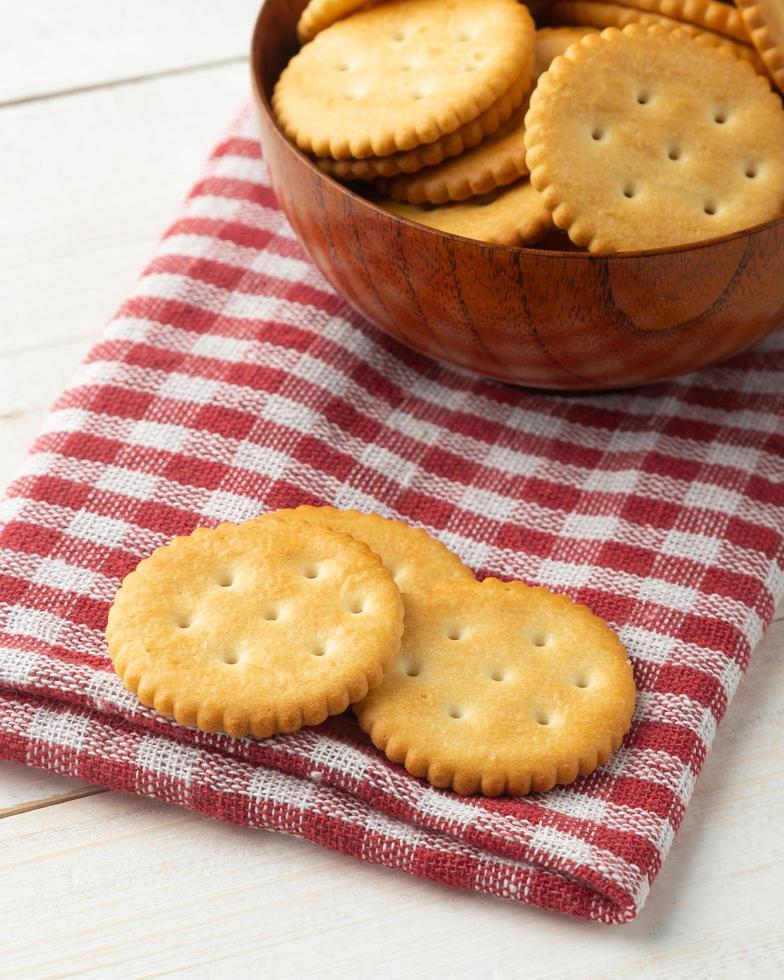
[255, 628]
[643, 138]
[496, 162]
[512, 216]
[431, 154]
[764, 21]
[599, 14]
[400, 74]
[501, 688]
[412, 557]
[320, 14]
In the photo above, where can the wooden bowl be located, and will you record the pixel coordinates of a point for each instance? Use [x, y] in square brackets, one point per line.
[530, 316]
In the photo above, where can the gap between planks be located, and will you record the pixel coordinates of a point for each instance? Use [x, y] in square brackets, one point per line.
[30, 805]
[152, 76]
[48, 47]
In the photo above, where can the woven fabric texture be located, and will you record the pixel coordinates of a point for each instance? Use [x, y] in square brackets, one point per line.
[235, 381]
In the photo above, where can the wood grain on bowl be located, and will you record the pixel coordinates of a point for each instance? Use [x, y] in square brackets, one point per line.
[550, 319]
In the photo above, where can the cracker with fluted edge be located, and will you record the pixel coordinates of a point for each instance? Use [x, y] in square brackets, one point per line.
[400, 74]
[495, 162]
[512, 216]
[413, 558]
[255, 628]
[645, 138]
[596, 13]
[764, 21]
[431, 154]
[501, 688]
[710, 15]
[320, 14]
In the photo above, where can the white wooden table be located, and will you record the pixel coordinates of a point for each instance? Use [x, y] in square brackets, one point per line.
[106, 111]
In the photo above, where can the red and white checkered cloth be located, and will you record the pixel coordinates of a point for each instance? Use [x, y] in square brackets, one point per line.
[235, 381]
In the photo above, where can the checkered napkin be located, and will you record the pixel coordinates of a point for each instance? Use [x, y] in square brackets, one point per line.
[235, 381]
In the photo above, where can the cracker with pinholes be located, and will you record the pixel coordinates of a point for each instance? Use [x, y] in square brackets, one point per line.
[644, 138]
[413, 558]
[512, 215]
[255, 628]
[401, 74]
[501, 688]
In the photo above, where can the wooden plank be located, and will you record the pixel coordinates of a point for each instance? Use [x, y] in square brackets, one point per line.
[51, 47]
[89, 184]
[23, 789]
[17, 431]
[113, 885]
[33, 378]
[80, 793]
[30, 380]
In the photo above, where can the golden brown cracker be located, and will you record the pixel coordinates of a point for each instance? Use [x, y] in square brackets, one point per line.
[599, 14]
[432, 154]
[401, 74]
[497, 161]
[764, 21]
[513, 216]
[320, 14]
[710, 15]
[644, 138]
[255, 628]
[413, 558]
[501, 688]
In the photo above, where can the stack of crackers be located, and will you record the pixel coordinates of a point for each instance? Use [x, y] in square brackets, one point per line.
[631, 126]
[263, 627]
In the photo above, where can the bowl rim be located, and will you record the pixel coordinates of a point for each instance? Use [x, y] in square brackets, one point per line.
[263, 102]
